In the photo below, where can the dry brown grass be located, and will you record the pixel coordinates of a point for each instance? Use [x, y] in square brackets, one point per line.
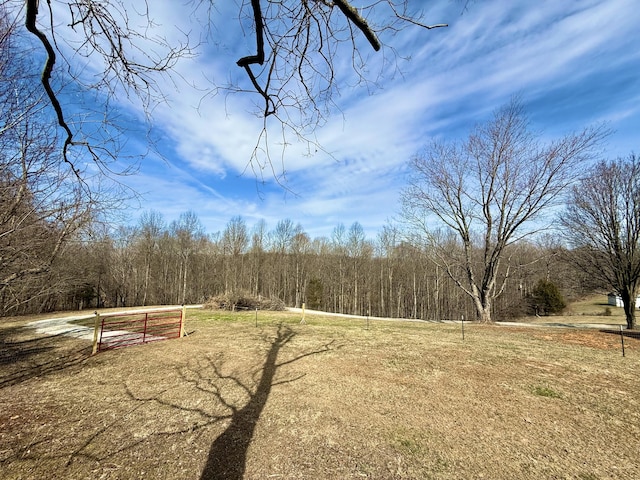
[324, 400]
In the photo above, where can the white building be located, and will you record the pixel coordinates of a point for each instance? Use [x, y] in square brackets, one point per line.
[616, 301]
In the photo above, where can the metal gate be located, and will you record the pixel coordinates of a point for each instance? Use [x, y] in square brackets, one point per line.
[136, 328]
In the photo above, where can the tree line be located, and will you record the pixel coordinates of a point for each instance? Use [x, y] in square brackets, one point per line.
[155, 262]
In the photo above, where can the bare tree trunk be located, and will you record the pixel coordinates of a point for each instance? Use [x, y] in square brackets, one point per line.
[415, 297]
[298, 292]
[437, 294]
[629, 304]
[184, 283]
[382, 302]
[146, 283]
[355, 292]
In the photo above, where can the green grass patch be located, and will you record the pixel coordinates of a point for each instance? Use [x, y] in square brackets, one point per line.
[546, 391]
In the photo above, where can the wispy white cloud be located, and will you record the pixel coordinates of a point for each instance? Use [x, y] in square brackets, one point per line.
[573, 63]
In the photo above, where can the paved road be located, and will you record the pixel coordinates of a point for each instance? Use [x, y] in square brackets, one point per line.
[505, 324]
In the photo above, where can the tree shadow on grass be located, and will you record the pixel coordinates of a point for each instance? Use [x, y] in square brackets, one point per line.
[208, 394]
[236, 398]
[24, 356]
[228, 453]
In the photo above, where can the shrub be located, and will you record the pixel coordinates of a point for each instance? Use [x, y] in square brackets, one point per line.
[243, 301]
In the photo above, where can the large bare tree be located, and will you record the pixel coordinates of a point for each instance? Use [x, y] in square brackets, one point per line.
[471, 200]
[602, 222]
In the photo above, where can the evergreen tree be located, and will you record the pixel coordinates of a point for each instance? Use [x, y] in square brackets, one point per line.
[546, 298]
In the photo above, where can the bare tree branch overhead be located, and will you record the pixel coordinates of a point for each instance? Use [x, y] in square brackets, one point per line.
[292, 69]
[30, 22]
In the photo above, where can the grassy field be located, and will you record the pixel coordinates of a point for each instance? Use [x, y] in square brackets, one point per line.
[592, 310]
[331, 398]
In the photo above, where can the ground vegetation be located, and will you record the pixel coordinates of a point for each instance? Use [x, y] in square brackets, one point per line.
[332, 398]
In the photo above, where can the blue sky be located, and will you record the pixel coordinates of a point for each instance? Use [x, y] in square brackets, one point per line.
[573, 63]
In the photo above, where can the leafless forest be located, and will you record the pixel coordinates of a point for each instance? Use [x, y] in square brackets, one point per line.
[159, 263]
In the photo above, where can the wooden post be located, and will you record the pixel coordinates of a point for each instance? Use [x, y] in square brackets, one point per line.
[303, 321]
[184, 319]
[622, 340]
[96, 327]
